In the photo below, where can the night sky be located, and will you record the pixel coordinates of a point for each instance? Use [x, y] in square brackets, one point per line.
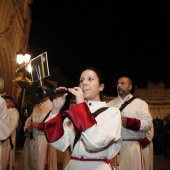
[119, 38]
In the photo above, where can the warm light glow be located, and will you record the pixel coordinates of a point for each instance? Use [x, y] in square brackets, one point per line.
[27, 58]
[20, 58]
[29, 68]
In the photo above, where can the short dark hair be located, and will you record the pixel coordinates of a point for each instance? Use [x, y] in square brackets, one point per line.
[10, 98]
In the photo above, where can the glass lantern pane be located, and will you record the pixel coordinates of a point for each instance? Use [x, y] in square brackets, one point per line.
[19, 58]
[27, 58]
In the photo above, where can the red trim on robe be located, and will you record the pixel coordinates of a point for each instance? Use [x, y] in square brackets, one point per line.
[144, 142]
[81, 117]
[133, 124]
[40, 126]
[53, 128]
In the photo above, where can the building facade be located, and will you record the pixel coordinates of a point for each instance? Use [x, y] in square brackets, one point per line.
[15, 17]
[158, 98]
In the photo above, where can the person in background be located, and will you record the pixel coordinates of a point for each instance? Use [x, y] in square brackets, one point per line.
[5, 130]
[37, 153]
[165, 138]
[21, 133]
[9, 145]
[93, 140]
[136, 122]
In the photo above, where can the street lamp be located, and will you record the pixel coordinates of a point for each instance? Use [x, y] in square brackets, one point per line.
[23, 59]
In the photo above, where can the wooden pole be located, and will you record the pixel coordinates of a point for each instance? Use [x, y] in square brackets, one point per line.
[23, 97]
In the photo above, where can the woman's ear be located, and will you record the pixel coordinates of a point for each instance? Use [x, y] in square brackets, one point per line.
[101, 87]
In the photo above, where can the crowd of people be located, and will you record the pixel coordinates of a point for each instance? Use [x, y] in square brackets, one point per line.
[117, 135]
[161, 139]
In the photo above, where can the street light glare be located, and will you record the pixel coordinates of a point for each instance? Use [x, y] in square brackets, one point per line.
[21, 57]
[29, 68]
[27, 58]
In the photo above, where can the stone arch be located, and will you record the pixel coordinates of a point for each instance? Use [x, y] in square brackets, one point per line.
[7, 66]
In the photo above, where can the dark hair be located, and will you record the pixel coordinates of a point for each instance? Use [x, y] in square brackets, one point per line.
[10, 98]
[99, 75]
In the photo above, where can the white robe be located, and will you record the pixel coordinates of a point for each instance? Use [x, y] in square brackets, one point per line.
[36, 151]
[102, 140]
[7, 152]
[148, 153]
[5, 130]
[131, 152]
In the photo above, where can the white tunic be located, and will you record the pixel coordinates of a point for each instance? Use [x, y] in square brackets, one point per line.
[7, 152]
[36, 151]
[5, 130]
[102, 140]
[130, 153]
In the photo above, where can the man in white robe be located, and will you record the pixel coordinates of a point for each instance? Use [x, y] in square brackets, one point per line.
[5, 130]
[8, 149]
[136, 122]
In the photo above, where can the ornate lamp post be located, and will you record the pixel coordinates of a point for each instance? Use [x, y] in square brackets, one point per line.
[23, 81]
[24, 58]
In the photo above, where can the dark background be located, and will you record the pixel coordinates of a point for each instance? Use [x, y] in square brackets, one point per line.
[120, 38]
